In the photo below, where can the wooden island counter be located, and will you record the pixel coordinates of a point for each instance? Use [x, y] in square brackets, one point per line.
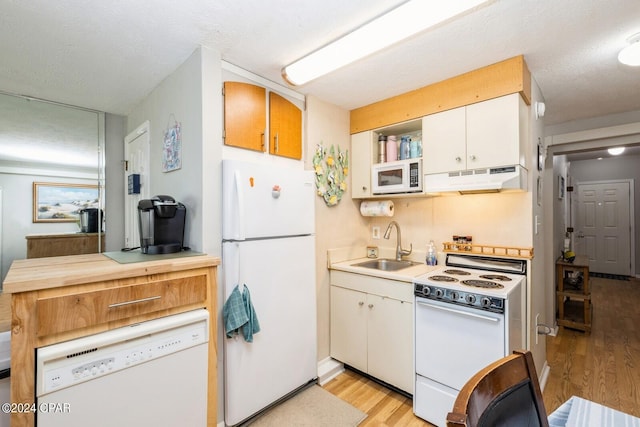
[62, 298]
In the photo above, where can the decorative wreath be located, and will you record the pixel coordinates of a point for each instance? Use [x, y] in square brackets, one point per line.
[331, 172]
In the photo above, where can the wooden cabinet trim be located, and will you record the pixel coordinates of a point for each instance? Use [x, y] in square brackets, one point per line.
[503, 78]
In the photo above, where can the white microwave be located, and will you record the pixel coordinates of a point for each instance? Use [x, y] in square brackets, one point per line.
[402, 176]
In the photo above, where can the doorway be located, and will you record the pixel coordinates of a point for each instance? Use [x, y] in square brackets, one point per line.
[136, 155]
[604, 225]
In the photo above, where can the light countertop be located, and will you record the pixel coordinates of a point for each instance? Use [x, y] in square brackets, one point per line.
[345, 260]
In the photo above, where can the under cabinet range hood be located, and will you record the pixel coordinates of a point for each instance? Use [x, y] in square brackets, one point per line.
[477, 181]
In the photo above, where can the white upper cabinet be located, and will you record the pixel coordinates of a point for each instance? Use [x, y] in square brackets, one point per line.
[361, 159]
[444, 141]
[487, 134]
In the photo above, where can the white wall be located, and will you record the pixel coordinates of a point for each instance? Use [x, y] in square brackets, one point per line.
[336, 226]
[177, 99]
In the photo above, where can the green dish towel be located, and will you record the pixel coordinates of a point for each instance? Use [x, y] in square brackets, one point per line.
[239, 314]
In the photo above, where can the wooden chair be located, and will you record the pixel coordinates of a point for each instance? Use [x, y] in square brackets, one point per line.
[505, 393]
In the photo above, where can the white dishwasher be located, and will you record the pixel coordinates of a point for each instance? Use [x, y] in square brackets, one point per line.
[145, 375]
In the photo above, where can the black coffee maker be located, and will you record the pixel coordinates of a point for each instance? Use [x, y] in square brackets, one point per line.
[91, 220]
[161, 221]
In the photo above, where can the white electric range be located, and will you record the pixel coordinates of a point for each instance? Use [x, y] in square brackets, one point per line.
[467, 314]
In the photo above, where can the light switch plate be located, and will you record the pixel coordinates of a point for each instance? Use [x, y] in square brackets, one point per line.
[375, 232]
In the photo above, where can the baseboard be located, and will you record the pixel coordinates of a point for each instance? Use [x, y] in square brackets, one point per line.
[328, 369]
[546, 370]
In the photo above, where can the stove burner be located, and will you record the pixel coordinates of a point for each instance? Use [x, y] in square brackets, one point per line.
[439, 278]
[457, 272]
[482, 284]
[498, 277]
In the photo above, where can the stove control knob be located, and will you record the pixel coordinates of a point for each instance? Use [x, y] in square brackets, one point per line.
[455, 296]
[486, 302]
[471, 299]
[439, 293]
[426, 291]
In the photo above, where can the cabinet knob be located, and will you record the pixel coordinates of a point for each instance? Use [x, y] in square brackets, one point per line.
[370, 305]
[364, 188]
[473, 158]
[360, 303]
[458, 159]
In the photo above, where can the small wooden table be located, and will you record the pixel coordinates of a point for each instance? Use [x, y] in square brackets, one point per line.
[573, 293]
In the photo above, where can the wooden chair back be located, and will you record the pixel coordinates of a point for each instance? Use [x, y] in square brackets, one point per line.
[505, 393]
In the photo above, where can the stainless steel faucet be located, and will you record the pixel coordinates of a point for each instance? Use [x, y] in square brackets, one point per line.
[399, 251]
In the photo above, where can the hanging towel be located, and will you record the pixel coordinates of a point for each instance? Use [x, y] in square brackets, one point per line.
[252, 326]
[238, 313]
[234, 313]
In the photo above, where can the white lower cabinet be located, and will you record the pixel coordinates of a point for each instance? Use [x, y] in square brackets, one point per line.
[373, 331]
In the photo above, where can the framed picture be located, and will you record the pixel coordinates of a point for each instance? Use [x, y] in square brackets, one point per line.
[560, 187]
[62, 202]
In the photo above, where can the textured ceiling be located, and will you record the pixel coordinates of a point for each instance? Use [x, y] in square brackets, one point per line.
[109, 55]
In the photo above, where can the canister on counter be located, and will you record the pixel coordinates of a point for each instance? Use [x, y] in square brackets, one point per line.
[392, 148]
[382, 142]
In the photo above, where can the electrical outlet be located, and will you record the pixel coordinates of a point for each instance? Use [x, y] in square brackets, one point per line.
[375, 232]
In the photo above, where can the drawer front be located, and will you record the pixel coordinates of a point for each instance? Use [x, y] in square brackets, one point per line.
[68, 312]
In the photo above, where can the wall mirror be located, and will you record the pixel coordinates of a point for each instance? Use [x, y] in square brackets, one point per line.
[50, 143]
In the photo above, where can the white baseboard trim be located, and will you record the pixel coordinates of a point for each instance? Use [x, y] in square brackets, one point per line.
[328, 369]
[546, 369]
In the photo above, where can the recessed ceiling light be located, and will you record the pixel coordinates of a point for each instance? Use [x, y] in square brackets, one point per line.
[630, 55]
[400, 23]
[616, 150]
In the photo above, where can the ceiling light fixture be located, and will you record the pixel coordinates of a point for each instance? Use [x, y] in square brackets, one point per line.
[398, 24]
[616, 150]
[630, 55]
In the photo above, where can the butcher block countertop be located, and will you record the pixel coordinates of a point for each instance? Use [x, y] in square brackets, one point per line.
[54, 272]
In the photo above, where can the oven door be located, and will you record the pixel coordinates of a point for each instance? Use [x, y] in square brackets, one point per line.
[454, 342]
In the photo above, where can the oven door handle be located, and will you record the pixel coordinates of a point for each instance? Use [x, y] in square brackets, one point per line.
[464, 313]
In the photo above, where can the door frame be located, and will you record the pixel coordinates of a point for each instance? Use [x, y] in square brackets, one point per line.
[632, 237]
[129, 228]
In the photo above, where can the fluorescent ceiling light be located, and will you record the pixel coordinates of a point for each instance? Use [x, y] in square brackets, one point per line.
[402, 22]
[630, 55]
[616, 150]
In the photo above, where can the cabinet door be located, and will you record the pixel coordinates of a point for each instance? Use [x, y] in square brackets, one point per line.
[493, 132]
[245, 115]
[361, 161]
[444, 141]
[349, 327]
[285, 127]
[390, 341]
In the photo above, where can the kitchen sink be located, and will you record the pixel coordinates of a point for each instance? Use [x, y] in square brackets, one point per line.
[386, 264]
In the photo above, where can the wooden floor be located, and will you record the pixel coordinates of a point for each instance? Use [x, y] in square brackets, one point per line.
[603, 366]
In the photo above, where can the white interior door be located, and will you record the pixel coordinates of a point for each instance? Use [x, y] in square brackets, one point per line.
[136, 155]
[604, 226]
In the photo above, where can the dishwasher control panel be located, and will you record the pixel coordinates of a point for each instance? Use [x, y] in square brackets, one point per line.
[72, 362]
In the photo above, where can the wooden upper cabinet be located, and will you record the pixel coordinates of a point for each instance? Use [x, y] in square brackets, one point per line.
[245, 115]
[285, 127]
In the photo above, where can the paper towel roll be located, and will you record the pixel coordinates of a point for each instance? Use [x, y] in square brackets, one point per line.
[382, 208]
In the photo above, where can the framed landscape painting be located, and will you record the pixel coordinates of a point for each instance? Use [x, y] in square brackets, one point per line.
[62, 202]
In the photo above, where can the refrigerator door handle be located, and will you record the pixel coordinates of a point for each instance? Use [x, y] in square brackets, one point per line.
[240, 205]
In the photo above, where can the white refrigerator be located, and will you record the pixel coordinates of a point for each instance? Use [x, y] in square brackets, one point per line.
[269, 246]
